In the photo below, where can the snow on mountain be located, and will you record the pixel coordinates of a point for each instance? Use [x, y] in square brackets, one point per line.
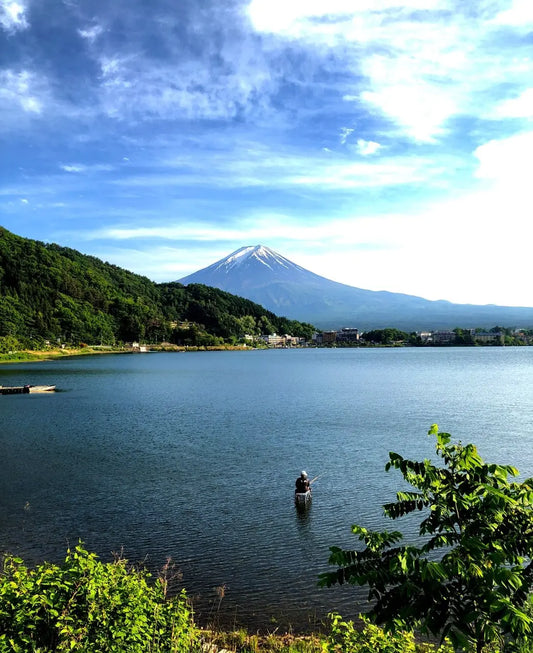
[247, 268]
[250, 255]
[268, 278]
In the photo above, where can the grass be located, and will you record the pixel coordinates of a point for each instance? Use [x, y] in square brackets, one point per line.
[54, 353]
[240, 641]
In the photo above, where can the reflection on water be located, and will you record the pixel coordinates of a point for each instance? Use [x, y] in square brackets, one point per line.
[303, 514]
[194, 457]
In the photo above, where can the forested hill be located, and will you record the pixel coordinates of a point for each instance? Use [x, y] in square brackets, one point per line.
[48, 292]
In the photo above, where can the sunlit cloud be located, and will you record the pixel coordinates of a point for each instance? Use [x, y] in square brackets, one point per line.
[519, 14]
[419, 73]
[322, 171]
[507, 161]
[13, 15]
[81, 167]
[309, 18]
[366, 148]
[91, 33]
[345, 134]
[520, 106]
[22, 90]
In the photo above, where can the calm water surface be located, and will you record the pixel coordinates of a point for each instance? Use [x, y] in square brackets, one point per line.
[194, 456]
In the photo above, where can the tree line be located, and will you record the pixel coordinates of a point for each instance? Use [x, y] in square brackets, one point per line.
[461, 336]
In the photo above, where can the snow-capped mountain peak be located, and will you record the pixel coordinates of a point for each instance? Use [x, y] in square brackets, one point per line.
[253, 254]
[264, 276]
[247, 267]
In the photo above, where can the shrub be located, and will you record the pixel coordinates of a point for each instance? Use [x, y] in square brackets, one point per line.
[346, 637]
[89, 606]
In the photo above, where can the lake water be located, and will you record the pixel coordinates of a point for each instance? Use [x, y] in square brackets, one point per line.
[194, 456]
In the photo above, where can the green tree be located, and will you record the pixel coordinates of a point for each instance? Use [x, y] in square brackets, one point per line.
[8, 344]
[386, 336]
[480, 524]
[463, 337]
[266, 326]
[247, 325]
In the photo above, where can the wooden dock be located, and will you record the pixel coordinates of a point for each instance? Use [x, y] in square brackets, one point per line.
[25, 389]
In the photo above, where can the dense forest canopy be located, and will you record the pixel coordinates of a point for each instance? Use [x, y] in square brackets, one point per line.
[54, 293]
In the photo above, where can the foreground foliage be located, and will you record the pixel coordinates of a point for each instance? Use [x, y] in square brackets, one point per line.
[481, 523]
[346, 637]
[341, 636]
[88, 606]
[93, 607]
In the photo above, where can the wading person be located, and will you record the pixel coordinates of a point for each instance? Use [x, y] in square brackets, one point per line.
[302, 483]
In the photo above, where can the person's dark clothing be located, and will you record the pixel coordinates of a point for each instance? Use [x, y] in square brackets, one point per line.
[302, 484]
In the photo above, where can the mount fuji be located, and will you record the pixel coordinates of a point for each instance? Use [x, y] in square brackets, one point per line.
[268, 278]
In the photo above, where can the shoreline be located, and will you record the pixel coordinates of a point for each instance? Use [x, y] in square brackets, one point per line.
[30, 356]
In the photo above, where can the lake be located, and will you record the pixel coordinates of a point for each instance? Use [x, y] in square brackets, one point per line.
[193, 456]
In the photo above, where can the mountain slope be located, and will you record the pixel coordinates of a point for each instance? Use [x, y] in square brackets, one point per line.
[264, 276]
[54, 293]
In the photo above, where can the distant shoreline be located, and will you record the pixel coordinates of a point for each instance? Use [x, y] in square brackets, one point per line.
[29, 356]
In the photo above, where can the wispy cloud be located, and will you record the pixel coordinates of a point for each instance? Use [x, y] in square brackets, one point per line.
[22, 90]
[262, 167]
[91, 33]
[419, 70]
[520, 106]
[82, 168]
[366, 148]
[345, 134]
[381, 127]
[13, 15]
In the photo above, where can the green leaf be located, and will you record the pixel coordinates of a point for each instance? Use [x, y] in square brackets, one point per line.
[475, 593]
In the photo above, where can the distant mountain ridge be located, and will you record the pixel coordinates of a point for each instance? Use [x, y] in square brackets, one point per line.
[262, 275]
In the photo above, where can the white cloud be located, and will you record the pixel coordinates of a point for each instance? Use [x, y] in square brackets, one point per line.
[507, 162]
[181, 231]
[21, 90]
[517, 107]
[73, 168]
[419, 71]
[414, 96]
[12, 15]
[365, 175]
[303, 17]
[81, 167]
[366, 148]
[91, 33]
[169, 91]
[321, 173]
[420, 253]
[345, 134]
[520, 14]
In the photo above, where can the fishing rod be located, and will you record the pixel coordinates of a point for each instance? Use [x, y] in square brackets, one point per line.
[316, 478]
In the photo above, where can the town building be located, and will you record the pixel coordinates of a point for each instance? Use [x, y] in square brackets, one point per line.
[348, 334]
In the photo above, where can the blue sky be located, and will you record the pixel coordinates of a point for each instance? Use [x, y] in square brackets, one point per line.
[382, 144]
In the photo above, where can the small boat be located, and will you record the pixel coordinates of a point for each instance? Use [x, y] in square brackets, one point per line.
[42, 388]
[25, 389]
[301, 498]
